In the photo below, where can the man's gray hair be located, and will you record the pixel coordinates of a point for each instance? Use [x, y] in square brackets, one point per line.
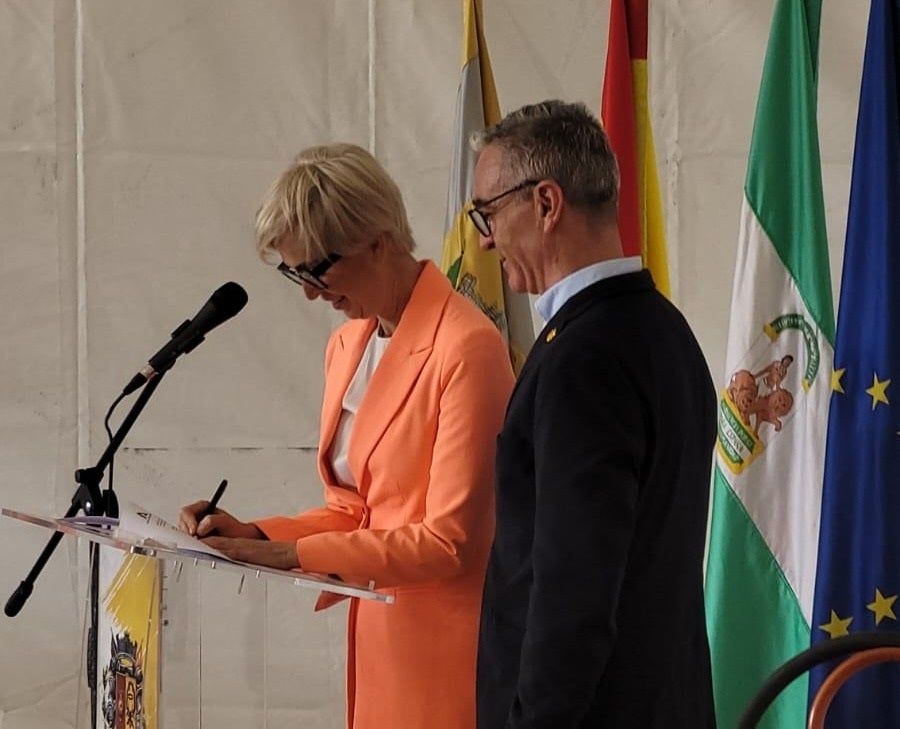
[561, 142]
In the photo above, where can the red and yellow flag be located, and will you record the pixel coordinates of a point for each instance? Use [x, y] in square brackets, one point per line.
[626, 118]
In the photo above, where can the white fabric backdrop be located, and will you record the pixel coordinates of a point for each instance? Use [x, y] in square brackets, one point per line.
[135, 142]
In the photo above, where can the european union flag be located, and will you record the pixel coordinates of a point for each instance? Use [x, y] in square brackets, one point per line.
[858, 572]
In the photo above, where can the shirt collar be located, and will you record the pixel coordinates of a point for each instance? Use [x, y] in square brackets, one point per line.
[552, 300]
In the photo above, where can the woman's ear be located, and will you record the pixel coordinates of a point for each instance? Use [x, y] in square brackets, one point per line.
[386, 245]
[379, 245]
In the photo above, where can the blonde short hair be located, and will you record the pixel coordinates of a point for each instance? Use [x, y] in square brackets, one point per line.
[334, 199]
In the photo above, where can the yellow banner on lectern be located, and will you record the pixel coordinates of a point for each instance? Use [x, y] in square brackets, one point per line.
[128, 641]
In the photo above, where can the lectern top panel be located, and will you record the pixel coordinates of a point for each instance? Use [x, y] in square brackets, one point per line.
[111, 536]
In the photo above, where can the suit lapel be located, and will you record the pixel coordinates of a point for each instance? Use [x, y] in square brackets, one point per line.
[400, 366]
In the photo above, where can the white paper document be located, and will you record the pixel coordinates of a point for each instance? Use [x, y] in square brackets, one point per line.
[153, 529]
[148, 528]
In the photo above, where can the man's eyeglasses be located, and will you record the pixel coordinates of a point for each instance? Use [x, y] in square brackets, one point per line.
[301, 274]
[482, 220]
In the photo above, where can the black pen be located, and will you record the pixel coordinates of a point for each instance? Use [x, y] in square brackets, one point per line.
[214, 501]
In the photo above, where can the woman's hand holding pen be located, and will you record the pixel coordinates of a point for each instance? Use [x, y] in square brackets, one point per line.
[220, 522]
[235, 539]
[205, 518]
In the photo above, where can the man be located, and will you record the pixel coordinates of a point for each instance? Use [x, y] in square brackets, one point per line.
[592, 613]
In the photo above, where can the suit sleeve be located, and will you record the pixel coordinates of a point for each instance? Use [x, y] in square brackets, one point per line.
[589, 444]
[457, 525]
[335, 517]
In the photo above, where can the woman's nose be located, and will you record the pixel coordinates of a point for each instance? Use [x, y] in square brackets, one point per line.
[311, 291]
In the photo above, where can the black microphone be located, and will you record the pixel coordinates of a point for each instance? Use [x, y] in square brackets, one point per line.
[226, 301]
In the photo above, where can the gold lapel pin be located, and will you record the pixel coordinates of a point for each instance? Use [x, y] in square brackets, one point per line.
[551, 334]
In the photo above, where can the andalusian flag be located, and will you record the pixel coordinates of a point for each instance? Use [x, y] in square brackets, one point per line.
[474, 272]
[773, 411]
[625, 115]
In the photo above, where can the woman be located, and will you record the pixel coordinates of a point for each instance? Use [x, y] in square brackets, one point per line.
[416, 386]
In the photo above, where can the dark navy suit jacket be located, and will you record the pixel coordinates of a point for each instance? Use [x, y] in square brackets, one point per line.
[593, 609]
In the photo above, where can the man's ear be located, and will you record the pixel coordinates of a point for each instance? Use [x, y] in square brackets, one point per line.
[549, 202]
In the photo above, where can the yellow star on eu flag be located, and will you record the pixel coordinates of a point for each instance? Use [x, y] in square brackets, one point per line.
[883, 607]
[836, 376]
[878, 391]
[836, 627]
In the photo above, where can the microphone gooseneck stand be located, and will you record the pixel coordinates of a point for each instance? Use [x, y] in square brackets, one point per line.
[89, 499]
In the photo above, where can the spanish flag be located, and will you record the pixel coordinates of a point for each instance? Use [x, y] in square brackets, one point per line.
[474, 272]
[626, 118]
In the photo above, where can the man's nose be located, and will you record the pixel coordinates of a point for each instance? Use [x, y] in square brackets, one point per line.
[486, 242]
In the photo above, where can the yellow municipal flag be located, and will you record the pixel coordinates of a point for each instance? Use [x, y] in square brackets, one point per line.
[473, 272]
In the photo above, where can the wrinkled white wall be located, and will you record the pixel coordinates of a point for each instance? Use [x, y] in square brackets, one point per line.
[135, 142]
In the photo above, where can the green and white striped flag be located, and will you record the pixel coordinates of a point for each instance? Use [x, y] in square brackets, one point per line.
[773, 412]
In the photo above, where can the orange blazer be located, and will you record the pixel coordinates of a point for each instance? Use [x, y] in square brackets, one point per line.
[421, 523]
